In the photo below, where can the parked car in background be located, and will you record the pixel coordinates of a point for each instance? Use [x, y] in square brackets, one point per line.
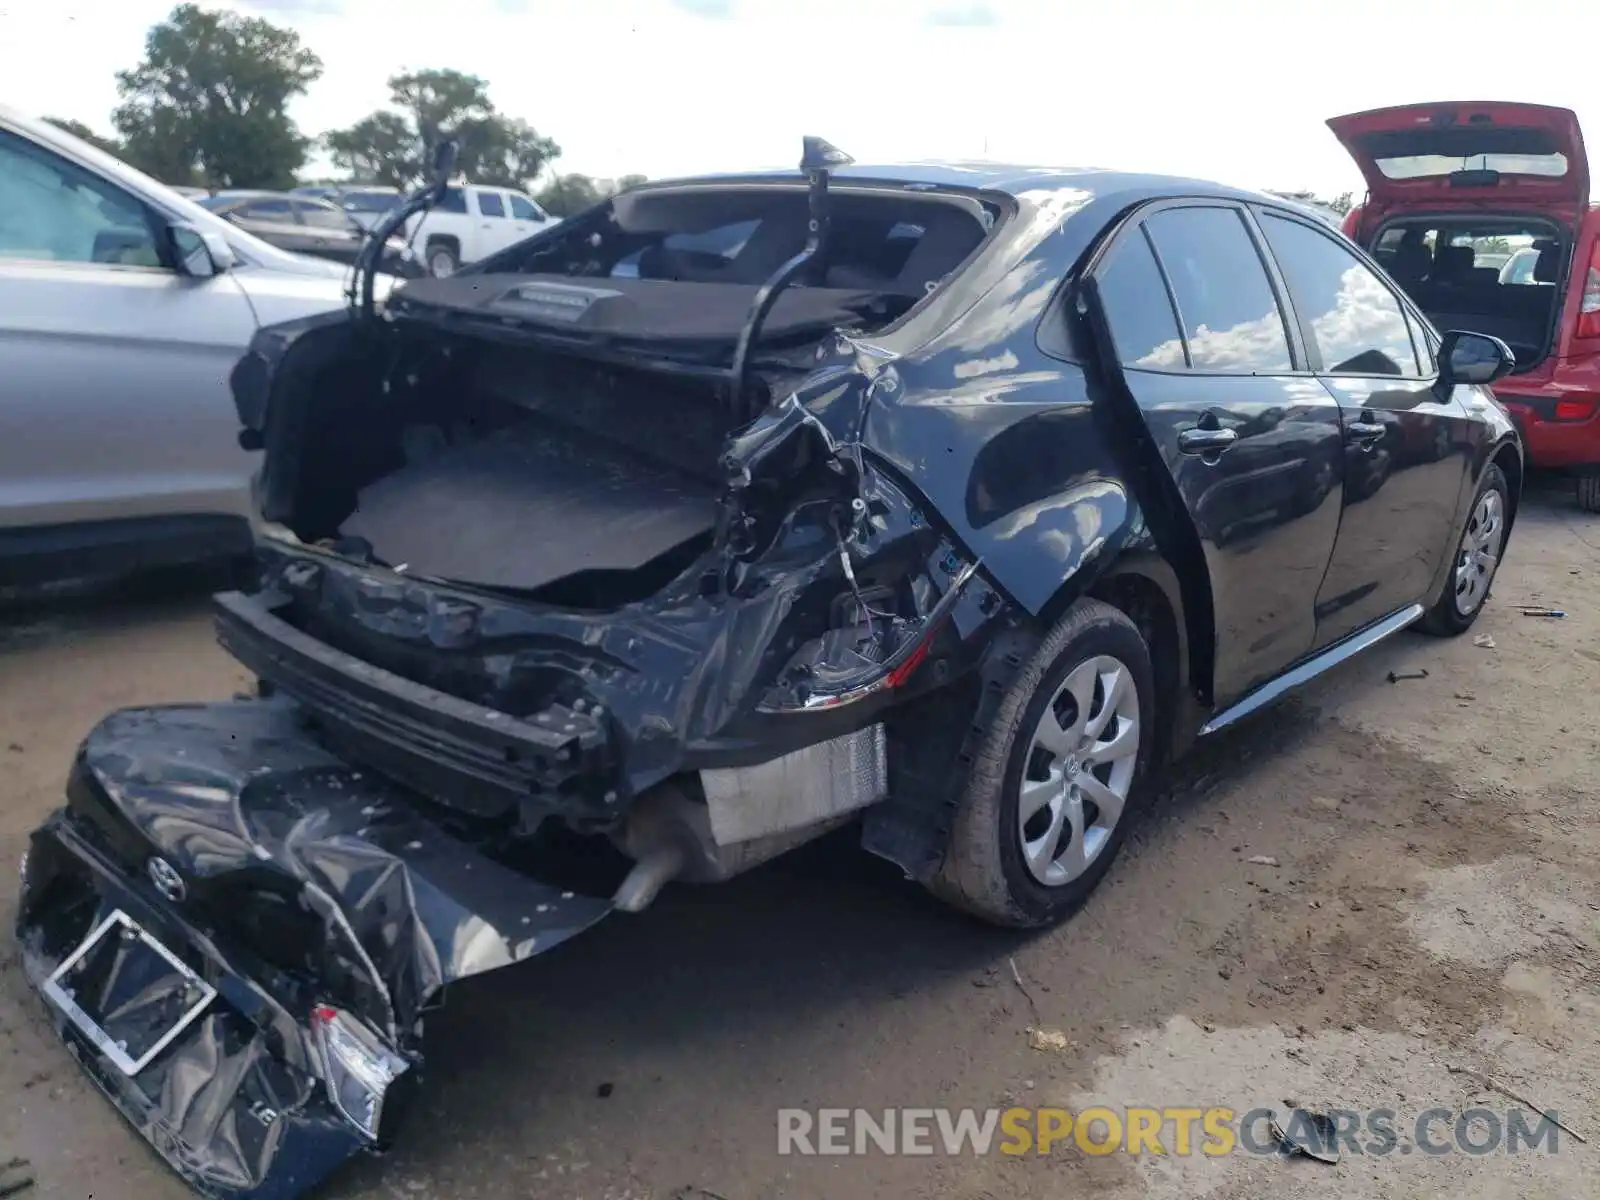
[473, 222]
[366, 205]
[307, 225]
[1447, 185]
[1520, 266]
[1040, 477]
[364, 202]
[123, 308]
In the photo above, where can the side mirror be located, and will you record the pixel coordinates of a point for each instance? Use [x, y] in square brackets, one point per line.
[1473, 358]
[201, 253]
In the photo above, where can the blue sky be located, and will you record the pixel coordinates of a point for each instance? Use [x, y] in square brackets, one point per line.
[1234, 91]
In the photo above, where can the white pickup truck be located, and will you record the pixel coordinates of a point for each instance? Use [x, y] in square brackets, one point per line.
[473, 222]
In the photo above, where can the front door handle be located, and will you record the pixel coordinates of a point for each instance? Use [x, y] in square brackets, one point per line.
[1206, 441]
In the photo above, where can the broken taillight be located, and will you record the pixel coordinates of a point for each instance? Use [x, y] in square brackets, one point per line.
[877, 654]
[360, 1069]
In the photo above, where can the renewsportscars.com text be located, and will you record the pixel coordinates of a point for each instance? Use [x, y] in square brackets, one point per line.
[1175, 1130]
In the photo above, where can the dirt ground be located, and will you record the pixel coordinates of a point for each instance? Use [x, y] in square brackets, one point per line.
[1435, 901]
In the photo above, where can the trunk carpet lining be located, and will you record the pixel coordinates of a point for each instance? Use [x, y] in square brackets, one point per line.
[527, 506]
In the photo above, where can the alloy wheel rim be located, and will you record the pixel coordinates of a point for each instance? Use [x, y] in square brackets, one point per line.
[1480, 552]
[441, 266]
[1079, 770]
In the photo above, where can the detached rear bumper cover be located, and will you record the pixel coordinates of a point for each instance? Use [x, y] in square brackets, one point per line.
[305, 883]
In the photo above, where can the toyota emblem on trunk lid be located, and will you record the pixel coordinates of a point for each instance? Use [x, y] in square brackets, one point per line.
[167, 880]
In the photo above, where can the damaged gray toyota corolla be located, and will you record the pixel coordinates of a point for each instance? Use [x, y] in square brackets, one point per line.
[721, 515]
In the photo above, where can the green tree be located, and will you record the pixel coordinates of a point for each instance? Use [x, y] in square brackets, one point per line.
[1341, 204]
[396, 147]
[83, 133]
[210, 99]
[504, 152]
[380, 149]
[566, 195]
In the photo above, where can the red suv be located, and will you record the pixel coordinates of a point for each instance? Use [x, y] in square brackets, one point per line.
[1481, 212]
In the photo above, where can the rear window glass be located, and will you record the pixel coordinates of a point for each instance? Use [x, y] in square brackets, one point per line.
[1422, 166]
[454, 201]
[725, 241]
[490, 204]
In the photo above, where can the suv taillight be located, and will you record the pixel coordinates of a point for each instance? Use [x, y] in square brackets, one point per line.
[1589, 306]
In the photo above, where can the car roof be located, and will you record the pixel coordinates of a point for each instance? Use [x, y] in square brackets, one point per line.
[1012, 179]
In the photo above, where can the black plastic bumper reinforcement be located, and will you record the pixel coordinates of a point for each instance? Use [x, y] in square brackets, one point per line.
[477, 757]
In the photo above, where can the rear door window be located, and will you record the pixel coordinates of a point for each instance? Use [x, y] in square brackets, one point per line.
[453, 201]
[491, 205]
[269, 210]
[1357, 323]
[1231, 321]
[322, 216]
[1144, 329]
[524, 209]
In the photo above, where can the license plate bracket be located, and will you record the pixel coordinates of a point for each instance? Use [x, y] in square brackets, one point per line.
[152, 994]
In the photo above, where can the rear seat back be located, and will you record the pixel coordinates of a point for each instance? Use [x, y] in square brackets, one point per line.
[1547, 267]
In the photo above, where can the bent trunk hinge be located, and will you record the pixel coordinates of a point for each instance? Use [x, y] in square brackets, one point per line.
[818, 158]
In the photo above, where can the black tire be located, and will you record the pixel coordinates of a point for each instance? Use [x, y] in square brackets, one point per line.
[442, 260]
[1445, 618]
[1589, 492]
[984, 870]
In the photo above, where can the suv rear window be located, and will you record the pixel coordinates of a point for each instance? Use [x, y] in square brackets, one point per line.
[1508, 150]
[1420, 166]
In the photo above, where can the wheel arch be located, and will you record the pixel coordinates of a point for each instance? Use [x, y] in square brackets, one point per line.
[1508, 458]
[1146, 588]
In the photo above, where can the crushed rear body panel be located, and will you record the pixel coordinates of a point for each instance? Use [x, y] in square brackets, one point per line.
[292, 885]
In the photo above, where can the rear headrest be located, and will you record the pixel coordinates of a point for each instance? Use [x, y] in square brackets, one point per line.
[948, 236]
[1452, 263]
[1547, 267]
[778, 238]
[1410, 261]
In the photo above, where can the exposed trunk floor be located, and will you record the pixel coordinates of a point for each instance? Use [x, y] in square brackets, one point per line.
[528, 506]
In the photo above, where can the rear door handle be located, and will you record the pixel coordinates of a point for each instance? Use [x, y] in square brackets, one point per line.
[1206, 441]
[1364, 433]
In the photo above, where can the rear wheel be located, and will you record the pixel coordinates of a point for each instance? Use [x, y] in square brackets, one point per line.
[1589, 492]
[1053, 789]
[1477, 559]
